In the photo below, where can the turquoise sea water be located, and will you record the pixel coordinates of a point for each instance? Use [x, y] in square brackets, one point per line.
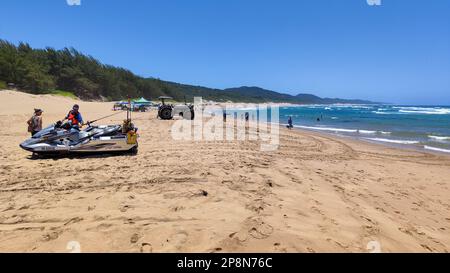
[424, 127]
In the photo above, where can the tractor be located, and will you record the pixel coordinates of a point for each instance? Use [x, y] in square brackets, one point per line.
[169, 111]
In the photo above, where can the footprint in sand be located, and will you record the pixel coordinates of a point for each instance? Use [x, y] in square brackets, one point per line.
[239, 236]
[217, 249]
[178, 208]
[50, 236]
[73, 221]
[278, 248]
[134, 239]
[179, 238]
[146, 248]
[261, 230]
[426, 247]
[125, 208]
[24, 208]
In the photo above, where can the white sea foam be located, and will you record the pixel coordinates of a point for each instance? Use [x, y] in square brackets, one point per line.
[328, 129]
[413, 110]
[439, 138]
[367, 132]
[334, 106]
[393, 141]
[423, 110]
[436, 149]
[355, 106]
[433, 112]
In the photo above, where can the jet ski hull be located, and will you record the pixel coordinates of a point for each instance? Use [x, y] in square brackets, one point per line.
[94, 146]
[103, 140]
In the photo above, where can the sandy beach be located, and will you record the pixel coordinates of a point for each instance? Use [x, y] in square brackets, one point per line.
[316, 193]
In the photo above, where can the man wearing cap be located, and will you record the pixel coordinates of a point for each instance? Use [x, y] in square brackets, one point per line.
[75, 117]
[35, 122]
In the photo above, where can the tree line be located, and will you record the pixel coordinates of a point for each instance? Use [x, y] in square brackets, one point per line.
[48, 70]
[41, 71]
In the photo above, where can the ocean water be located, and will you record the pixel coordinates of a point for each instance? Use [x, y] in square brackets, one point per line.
[423, 127]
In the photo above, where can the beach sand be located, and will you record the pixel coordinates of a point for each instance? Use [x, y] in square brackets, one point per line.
[316, 193]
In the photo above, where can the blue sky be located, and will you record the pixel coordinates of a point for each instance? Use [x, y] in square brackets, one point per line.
[398, 52]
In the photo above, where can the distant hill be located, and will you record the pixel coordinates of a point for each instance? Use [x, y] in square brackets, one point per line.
[259, 94]
[308, 98]
[68, 71]
[256, 94]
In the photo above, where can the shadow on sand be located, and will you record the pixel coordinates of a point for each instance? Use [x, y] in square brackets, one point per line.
[80, 155]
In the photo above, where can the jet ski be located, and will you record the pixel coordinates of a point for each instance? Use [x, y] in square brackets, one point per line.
[63, 138]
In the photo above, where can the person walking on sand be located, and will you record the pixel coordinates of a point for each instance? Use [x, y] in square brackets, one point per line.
[290, 126]
[35, 122]
[75, 117]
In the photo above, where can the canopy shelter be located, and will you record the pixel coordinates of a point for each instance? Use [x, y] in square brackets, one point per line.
[142, 101]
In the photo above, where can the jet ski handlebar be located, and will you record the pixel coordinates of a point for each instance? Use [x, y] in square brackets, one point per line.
[67, 125]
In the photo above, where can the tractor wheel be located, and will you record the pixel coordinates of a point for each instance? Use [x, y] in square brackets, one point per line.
[165, 113]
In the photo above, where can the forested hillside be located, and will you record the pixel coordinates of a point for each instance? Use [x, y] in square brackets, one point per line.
[49, 70]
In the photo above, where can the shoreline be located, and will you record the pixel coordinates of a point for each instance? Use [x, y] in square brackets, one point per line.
[407, 147]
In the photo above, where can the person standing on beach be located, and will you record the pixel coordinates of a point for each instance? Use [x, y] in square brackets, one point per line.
[35, 122]
[290, 126]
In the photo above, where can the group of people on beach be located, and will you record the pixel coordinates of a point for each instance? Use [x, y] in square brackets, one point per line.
[74, 117]
[291, 125]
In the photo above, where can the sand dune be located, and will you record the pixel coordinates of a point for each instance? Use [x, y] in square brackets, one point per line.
[317, 193]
